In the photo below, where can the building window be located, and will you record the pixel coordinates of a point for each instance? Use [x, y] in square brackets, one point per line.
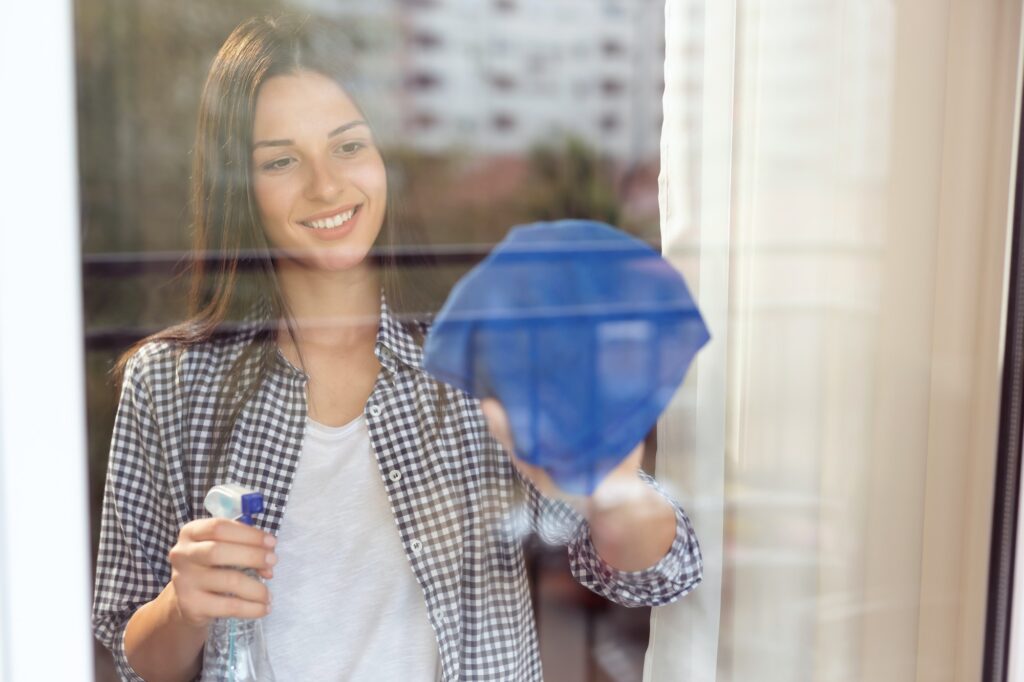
[502, 81]
[423, 120]
[609, 123]
[423, 81]
[612, 48]
[426, 39]
[503, 122]
[612, 86]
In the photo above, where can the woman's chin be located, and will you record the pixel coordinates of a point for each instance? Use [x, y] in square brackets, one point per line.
[339, 259]
[336, 258]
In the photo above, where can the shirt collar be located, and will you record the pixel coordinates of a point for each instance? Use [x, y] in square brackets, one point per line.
[394, 341]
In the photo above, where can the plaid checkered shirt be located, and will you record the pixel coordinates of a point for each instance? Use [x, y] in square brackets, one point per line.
[459, 505]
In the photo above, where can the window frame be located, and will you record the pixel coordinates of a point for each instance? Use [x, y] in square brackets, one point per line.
[44, 530]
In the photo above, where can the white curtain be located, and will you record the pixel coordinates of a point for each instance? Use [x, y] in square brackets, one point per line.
[694, 197]
[836, 179]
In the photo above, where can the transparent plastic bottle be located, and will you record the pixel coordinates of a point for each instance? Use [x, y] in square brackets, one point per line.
[236, 650]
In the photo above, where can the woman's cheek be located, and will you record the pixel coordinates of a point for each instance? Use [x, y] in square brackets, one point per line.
[271, 199]
[371, 177]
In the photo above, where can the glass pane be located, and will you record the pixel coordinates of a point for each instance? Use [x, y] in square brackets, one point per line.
[485, 116]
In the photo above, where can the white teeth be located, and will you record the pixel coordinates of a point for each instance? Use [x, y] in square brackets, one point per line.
[329, 223]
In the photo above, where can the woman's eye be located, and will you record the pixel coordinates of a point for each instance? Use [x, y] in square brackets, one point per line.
[277, 164]
[350, 147]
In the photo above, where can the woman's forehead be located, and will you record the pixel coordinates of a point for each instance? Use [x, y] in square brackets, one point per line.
[301, 104]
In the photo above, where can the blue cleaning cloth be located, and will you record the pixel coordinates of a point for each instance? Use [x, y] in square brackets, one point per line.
[582, 332]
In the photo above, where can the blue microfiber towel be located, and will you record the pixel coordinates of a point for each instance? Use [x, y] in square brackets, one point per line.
[582, 332]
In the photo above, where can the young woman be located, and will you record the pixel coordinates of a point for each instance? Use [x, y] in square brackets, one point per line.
[392, 534]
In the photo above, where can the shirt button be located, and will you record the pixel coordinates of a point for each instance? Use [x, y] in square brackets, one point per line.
[439, 615]
[395, 475]
[416, 546]
[375, 410]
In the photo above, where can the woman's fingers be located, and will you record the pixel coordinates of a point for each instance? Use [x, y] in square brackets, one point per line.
[203, 594]
[497, 422]
[536, 475]
[623, 476]
[227, 530]
[206, 575]
[216, 554]
[230, 582]
[222, 542]
[221, 606]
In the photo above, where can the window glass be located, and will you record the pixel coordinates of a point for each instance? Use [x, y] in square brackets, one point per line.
[832, 179]
[484, 117]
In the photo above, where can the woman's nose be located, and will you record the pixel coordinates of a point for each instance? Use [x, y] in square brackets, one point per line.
[324, 182]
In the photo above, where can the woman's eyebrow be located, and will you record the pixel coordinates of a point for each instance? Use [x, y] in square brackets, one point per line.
[284, 143]
[351, 124]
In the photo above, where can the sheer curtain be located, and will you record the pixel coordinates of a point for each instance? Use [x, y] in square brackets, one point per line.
[835, 184]
[694, 197]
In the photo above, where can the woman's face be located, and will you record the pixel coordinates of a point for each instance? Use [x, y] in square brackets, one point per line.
[318, 177]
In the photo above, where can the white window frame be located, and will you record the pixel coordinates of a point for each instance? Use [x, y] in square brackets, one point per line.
[44, 514]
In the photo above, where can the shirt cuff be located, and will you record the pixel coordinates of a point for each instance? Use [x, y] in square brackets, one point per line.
[126, 672]
[676, 574]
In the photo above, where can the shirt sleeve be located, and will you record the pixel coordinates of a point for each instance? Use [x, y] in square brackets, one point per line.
[676, 574]
[131, 564]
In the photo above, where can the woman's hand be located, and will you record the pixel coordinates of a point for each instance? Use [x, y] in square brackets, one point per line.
[617, 487]
[205, 576]
[631, 525]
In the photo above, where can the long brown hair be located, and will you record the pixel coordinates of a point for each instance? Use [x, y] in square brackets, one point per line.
[225, 219]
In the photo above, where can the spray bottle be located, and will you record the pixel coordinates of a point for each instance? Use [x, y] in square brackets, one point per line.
[235, 649]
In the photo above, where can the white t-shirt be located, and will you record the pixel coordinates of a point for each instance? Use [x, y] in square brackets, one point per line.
[346, 605]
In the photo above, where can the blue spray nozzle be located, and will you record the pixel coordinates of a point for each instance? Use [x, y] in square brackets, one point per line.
[232, 501]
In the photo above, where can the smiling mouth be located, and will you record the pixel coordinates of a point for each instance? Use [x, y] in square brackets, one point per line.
[331, 222]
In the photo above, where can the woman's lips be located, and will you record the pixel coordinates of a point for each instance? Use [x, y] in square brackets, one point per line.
[330, 233]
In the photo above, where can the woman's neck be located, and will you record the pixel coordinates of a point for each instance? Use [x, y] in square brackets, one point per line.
[331, 310]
